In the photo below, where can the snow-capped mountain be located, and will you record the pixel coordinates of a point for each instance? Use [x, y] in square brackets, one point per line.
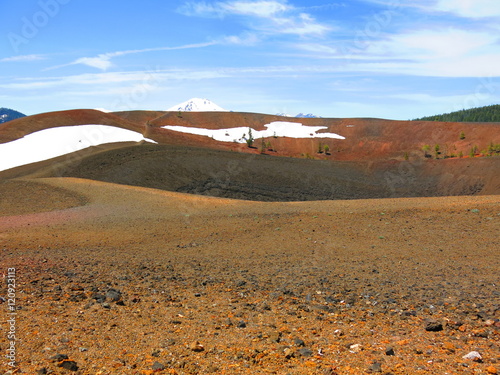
[300, 115]
[197, 105]
[309, 115]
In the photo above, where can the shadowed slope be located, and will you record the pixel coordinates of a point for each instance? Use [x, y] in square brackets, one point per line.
[268, 178]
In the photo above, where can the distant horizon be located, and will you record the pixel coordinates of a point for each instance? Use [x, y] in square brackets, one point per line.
[365, 58]
[296, 116]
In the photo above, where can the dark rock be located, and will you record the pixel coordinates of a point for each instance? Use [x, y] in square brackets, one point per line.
[157, 366]
[100, 298]
[68, 365]
[59, 357]
[168, 342]
[299, 342]
[375, 367]
[42, 371]
[242, 324]
[434, 327]
[77, 297]
[389, 351]
[114, 295]
[241, 283]
[305, 352]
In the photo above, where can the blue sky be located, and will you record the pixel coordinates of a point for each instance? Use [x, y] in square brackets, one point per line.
[355, 58]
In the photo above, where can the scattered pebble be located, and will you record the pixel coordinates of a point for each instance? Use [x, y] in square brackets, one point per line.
[305, 352]
[196, 347]
[474, 356]
[389, 351]
[289, 353]
[157, 366]
[114, 295]
[355, 348]
[434, 327]
[491, 370]
[59, 357]
[375, 367]
[68, 365]
[299, 342]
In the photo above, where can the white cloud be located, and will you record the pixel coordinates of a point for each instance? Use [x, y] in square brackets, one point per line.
[103, 61]
[23, 58]
[443, 53]
[275, 17]
[142, 78]
[264, 9]
[248, 39]
[321, 49]
[433, 44]
[470, 8]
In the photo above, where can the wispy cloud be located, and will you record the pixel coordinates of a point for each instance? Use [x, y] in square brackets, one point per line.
[23, 58]
[439, 52]
[274, 17]
[103, 61]
[263, 8]
[470, 8]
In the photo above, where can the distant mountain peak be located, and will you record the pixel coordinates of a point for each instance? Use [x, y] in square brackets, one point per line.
[300, 115]
[309, 115]
[197, 105]
[7, 114]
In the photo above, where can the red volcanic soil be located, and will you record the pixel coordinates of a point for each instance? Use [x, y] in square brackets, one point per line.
[366, 139]
[119, 271]
[128, 280]
[369, 163]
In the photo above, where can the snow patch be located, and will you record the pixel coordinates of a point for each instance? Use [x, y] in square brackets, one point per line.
[50, 143]
[103, 110]
[274, 129]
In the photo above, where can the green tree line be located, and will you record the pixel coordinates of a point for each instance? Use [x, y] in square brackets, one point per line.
[489, 113]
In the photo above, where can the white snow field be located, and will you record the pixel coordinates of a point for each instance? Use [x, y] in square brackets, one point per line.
[277, 129]
[50, 143]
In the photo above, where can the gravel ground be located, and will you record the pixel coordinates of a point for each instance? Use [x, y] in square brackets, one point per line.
[113, 279]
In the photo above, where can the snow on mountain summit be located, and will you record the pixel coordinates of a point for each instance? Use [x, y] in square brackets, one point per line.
[197, 105]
